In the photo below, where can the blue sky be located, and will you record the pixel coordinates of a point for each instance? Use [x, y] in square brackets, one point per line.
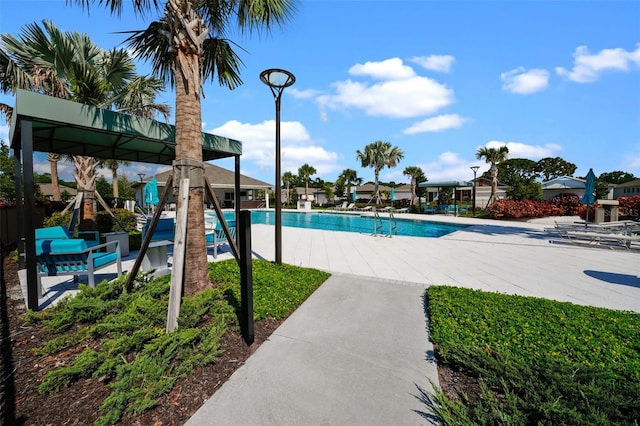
[437, 79]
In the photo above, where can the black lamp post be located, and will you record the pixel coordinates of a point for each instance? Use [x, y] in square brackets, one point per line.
[475, 170]
[277, 80]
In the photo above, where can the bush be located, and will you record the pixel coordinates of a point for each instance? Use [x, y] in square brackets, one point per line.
[630, 206]
[124, 221]
[58, 219]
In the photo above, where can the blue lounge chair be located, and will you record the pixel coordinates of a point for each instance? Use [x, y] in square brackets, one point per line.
[217, 237]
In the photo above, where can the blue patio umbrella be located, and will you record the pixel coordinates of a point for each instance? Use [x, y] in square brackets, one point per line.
[151, 192]
[355, 195]
[589, 192]
[393, 194]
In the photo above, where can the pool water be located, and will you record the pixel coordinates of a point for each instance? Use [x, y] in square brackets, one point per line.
[330, 221]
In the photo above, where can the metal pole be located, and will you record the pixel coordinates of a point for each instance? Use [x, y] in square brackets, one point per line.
[278, 189]
[475, 170]
[246, 277]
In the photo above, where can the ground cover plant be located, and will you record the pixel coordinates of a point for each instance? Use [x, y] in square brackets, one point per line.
[115, 341]
[535, 361]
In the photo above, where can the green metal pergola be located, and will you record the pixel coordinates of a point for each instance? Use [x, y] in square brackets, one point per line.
[46, 124]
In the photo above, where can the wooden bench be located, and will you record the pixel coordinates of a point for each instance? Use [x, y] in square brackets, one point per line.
[56, 257]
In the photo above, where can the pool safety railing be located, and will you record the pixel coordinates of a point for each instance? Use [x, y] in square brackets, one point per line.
[378, 225]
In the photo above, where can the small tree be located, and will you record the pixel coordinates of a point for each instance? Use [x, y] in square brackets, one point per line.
[378, 155]
[305, 172]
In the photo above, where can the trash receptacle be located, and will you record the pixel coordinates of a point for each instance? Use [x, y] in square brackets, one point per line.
[122, 238]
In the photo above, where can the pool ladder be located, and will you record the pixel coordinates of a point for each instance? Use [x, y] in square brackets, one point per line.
[378, 225]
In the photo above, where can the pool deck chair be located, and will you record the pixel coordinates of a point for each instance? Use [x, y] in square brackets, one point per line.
[216, 237]
[57, 257]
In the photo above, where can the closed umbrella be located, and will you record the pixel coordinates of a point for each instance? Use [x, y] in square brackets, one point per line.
[355, 195]
[589, 192]
[151, 192]
[393, 194]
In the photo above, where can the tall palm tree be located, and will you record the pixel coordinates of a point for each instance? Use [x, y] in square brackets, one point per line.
[493, 156]
[378, 155]
[350, 177]
[113, 165]
[287, 179]
[305, 172]
[417, 176]
[187, 45]
[68, 65]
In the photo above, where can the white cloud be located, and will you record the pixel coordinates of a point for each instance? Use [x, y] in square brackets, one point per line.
[389, 69]
[436, 124]
[449, 166]
[531, 152]
[523, 82]
[588, 67]
[396, 98]
[303, 94]
[297, 147]
[439, 63]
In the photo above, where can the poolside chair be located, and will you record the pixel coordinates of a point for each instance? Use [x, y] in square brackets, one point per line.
[403, 210]
[430, 210]
[217, 237]
[351, 206]
[341, 206]
[366, 209]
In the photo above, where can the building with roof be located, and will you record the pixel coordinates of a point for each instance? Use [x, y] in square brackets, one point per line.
[252, 191]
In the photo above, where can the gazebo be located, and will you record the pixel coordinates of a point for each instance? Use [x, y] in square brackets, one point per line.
[47, 124]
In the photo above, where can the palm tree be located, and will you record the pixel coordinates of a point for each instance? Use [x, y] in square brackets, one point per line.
[68, 65]
[350, 177]
[113, 165]
[378, 155]
[417, 176]
[187, 45]
[288, 178]
[305, 172]
[494, 157]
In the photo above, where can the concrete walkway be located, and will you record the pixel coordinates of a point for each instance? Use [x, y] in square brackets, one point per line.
[354, 353]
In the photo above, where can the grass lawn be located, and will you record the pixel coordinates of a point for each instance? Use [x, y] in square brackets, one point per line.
[119, 337]
[537, 361]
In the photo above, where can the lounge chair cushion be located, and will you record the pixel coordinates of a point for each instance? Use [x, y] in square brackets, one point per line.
[60, 246]
[52, 233]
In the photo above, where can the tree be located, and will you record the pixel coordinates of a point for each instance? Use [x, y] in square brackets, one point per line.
[349, 177]
[113, 166]
[328, 191]
[7, 179]
[68, 65]
[305, 172]
[616, 177]
[378, 155]
[187, 45]
[417, 176]
[339, 187]
[551, 168]
[493, 156]
[520, 175]
[287, 179]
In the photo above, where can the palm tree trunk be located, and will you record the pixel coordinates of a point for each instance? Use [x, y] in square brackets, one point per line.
[413, 191]
[376, 193]
[494, 182]
[114, 175]
[85, 176]
[189, 147]
[55, 185]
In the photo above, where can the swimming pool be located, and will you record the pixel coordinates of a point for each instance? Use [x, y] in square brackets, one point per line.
[331, 221]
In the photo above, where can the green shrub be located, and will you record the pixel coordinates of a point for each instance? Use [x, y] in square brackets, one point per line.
[539, 361]
[124, 220]
[58, 219]
[135, 240]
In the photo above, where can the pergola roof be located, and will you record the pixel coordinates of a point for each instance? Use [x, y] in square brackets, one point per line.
[66, 127]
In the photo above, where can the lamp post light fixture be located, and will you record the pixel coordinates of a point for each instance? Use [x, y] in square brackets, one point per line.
[475, 170]
[277, 80]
